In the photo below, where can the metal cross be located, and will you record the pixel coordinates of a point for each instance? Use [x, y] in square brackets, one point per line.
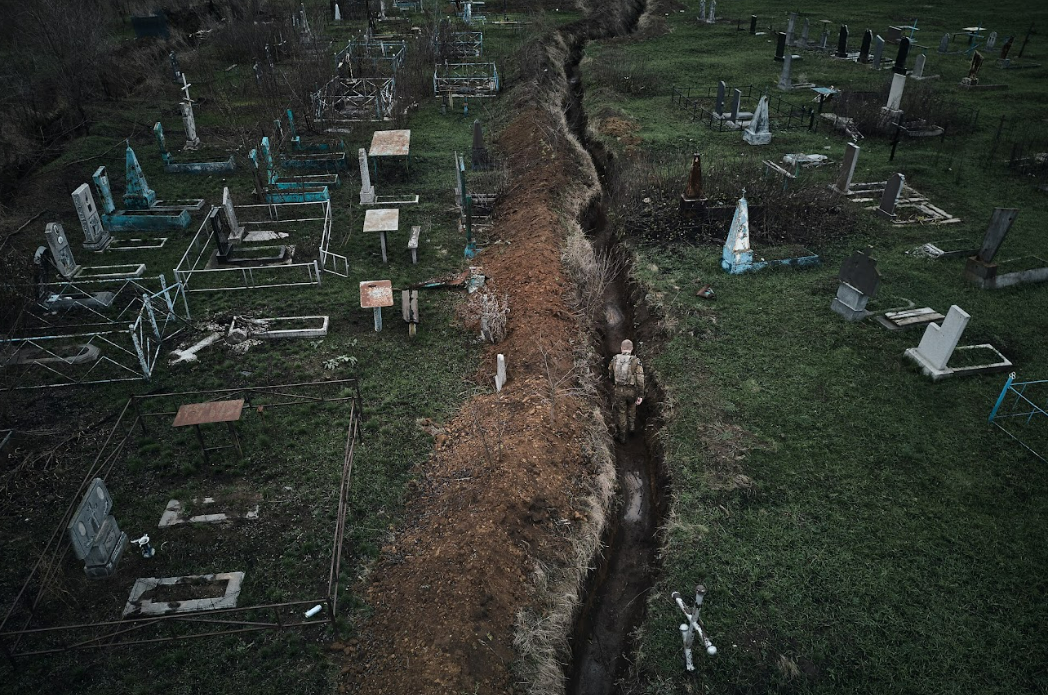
[185, 88]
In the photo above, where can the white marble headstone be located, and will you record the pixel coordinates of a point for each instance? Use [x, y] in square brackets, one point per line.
[939, 341]
[60, 251]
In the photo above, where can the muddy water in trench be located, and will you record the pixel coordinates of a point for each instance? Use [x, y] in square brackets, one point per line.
[616, 591]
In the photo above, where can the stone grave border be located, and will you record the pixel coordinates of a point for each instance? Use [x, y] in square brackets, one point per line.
[130, 333]
[1016, 400]
[22, 635]
[270, 215]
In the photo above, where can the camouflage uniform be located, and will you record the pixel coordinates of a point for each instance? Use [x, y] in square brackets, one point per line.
[627, 375]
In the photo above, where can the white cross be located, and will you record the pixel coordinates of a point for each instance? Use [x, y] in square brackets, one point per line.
[185, 88]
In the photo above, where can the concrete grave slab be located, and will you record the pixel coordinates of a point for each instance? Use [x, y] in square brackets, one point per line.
[147, 595]
[175, 513]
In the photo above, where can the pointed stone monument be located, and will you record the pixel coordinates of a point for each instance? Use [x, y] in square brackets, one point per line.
[842, 42]
[864, 48]
[980, 267]
[737, 256]
[900, 57]
[758, 131]
[137, 194]
[692, 199]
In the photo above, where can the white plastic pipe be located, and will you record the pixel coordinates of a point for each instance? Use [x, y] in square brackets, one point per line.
[314, 610]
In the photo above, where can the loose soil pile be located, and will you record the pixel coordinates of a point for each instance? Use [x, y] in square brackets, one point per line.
[504, 487]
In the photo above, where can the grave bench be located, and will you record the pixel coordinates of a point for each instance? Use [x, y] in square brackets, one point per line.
[413, 243]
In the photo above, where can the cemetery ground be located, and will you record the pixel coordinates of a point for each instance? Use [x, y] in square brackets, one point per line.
[860, 529]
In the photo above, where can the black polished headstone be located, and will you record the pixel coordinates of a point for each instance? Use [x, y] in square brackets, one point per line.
[864, 49]
[780, 46]
[842, 42]
[753, 24]
[900, 58]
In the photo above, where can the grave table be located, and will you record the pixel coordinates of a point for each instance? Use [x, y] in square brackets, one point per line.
[197, 414]
[375, 294]
[382, 221]
[390, 143]
[825, 93]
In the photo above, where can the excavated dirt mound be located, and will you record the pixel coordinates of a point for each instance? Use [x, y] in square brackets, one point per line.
[504, 486]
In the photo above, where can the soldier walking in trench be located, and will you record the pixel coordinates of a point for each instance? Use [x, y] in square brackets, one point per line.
[627, 375]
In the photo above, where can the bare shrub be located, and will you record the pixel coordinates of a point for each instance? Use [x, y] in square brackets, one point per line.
[488, 312]
[590, 273]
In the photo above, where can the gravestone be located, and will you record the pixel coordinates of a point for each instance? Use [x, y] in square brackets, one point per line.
[842, 42]
[230, 214]
[844, 179]
[944, 44]
[367, 191]
[878, 52]
[692, 194]
[900, 57]
[785, 81]
[1000, 222]
[824, 42]
[981, 266]
[896, 92]
[803, 43]
[859, 280]
[96, 238]
[780, 45]
[94, 534]
[1006, 48]
[918, 67]
[939, 341]
[500, 371]
[712, 18]
[753, 24]
[864, 48]
[61, 254]
[718, 109]
[702, 10]
[736, 103]
[790, 23]
[758, 132]
[973, 70]
[137, 193]
[101, 179]
[189, 122]
[480, 160]
[338, 13]
[737, 256]
[890, 197]
[991, 41]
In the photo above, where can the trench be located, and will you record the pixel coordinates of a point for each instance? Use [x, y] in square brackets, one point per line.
[615, 592]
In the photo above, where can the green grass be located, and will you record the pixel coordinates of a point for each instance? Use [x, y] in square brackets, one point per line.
[885, 537]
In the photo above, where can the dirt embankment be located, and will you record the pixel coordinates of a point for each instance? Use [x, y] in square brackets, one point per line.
[504, 491]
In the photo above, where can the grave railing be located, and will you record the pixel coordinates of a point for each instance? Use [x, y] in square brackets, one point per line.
[22, 636]
[347, 100]
[118, 341]
[383, 57]
[462, 80]
[1021, 412]
[196, 271]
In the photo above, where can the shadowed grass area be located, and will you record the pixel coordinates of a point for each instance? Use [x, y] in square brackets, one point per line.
[860, 528]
